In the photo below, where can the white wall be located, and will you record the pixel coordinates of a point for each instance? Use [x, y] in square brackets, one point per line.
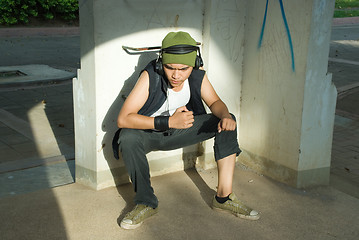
[107, 72]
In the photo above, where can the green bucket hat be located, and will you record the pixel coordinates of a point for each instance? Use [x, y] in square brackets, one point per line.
[179, 38]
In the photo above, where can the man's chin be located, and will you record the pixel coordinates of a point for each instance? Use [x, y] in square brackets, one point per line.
[176, 84]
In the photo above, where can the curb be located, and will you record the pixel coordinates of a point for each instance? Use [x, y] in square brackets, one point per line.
[345, 21]
[40, 32]
[75, 31]
[34, 74]
[4, 87]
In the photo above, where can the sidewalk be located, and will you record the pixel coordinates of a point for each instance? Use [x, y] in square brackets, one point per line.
[36, 119]
[343, 64]
[76, 212]
[79, 213]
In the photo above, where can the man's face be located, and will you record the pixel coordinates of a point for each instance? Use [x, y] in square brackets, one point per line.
[177, 73]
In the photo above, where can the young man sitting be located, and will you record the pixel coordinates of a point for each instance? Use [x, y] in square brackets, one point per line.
[164, 111]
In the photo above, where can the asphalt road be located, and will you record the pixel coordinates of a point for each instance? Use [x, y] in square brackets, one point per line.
[62, 52]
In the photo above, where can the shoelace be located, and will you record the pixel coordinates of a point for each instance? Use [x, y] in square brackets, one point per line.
[238, 206]
[141, 213]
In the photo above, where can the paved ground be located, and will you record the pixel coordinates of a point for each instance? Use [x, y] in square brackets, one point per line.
[36, 120]
[76, 212]
[61, 213]
[344, 64]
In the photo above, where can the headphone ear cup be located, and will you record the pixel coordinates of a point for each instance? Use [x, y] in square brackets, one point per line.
[159, 66]
[198, 62]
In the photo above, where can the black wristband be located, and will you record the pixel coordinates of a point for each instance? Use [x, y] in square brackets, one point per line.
[161, 123]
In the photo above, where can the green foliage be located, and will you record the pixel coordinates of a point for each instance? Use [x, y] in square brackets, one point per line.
[346, 13]
[339, 4]
[346, 8]
[19, 11]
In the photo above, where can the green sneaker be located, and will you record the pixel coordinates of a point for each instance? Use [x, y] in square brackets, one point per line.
[236, 207]
[136, 217]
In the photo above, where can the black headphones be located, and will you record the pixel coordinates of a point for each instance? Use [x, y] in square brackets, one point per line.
[178, 49]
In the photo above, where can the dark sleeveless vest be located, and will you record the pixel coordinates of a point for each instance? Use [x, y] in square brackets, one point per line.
[158, 93]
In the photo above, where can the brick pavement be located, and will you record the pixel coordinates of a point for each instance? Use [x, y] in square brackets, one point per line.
[344, 167]
[343, 64]
[36, 122]
[345, 150]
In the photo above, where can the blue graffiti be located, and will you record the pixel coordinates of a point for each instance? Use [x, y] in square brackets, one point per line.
[263, 26]
[286, 27]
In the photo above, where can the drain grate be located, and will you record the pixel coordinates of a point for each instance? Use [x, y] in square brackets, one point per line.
[8, 74]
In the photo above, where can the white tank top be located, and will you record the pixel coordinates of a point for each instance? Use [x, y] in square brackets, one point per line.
[174, 100]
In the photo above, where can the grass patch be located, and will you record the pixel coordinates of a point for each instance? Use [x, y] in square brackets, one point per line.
[346, 8]
[340, 4]
[346, 13]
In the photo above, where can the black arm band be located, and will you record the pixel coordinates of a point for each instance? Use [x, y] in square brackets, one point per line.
[161, 123]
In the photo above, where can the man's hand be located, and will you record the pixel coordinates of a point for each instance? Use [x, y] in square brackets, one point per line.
[181, 119]
[226, 124]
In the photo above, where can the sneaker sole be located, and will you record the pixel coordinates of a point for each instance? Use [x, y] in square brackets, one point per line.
[128, 226]
[253, 218]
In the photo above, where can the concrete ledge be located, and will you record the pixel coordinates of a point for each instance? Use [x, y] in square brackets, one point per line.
[32, 162]
[278, 172]
[118, 176]
[103, 179]
[85, 176]
[345, 21]
[32, 74]
[39, 32]
[37, 178]
[313, 177]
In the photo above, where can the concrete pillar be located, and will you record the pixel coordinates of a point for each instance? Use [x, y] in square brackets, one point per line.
[108, 73]
[287, 114]
[223, 46]
[285, 117]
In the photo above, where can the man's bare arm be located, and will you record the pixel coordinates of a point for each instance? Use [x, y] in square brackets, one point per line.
[128, 116]
[217, 106]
